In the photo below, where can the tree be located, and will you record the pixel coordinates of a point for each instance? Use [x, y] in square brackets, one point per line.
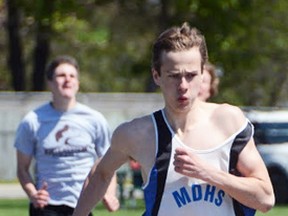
[43, 17]
[112, 40]
[15, 59]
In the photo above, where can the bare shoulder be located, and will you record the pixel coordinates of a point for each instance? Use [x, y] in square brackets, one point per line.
[229, 116]
[129, 135]
[223, 110]
[135, 126]
[229, 110]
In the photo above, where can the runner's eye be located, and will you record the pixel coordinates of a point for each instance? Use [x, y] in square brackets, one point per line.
[175, 76]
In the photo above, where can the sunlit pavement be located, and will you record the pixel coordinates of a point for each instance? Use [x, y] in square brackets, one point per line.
[11, 191]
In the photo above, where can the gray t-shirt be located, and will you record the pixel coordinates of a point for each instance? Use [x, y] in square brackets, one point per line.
[65, 146]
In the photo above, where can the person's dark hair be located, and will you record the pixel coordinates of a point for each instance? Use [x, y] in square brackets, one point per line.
[179, 39]
[50, 70]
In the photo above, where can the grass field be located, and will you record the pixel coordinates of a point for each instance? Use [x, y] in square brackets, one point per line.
[18, 207]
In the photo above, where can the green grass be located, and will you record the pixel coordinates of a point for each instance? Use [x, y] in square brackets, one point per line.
[280, 210]
[19, 207]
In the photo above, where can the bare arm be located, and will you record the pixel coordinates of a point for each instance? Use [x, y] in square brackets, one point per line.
[123, 146]
[256, 185]
[110, 198]
[39, 198]
[101, 179]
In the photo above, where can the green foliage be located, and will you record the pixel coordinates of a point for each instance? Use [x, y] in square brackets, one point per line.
[4, 73]
[112, 41]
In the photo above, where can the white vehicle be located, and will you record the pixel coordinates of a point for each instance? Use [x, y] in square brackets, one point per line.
[271, 138]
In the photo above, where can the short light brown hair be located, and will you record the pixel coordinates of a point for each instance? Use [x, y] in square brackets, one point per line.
[178, 39]
[211, 69]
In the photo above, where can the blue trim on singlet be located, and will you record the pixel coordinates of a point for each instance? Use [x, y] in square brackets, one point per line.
[154, 190]
[247, 211]
[238, 145]
[150, 192]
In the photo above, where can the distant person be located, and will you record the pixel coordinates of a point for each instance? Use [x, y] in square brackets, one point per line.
[210, 83]
[137, 181]
[197, 158]
[65, 138]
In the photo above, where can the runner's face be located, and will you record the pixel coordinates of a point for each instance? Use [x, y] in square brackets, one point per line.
[65, 82]
[180, 79]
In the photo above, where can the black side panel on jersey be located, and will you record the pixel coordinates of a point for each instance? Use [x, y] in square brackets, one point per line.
[163, 157]
[238, 145]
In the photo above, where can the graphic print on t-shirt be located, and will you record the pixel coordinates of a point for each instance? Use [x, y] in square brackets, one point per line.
[65, 140]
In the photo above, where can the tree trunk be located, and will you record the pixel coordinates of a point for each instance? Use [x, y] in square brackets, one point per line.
[163, 19]
[15, 62]
[41, 54]
[42, 48]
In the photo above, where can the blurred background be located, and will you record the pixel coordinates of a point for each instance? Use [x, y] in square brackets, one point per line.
[112, 40]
